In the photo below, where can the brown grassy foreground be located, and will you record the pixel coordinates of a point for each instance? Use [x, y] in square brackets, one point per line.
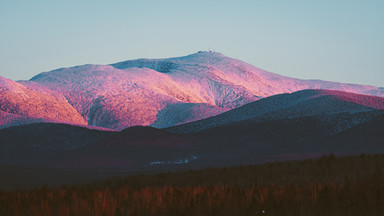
[351, 185]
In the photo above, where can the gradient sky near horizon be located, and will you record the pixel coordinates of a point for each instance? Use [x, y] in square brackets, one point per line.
[330, 40]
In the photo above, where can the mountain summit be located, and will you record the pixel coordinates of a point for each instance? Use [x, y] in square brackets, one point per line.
[156, 92]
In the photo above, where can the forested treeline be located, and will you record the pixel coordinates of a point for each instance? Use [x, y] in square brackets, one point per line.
[352, 185]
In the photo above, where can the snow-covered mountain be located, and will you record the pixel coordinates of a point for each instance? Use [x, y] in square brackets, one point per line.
[156, 92]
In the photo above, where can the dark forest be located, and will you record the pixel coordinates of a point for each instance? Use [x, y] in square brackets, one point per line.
[350, 185]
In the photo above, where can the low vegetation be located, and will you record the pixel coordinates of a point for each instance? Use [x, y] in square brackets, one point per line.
[351, 185]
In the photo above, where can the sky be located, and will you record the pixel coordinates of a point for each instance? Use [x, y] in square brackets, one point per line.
[335, 40]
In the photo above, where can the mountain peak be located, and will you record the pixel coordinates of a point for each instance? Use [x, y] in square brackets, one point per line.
[202, 56]
[209, 53]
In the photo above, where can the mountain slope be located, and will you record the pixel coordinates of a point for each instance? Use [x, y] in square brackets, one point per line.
[167, 92]
[27, 104]
[284, 106]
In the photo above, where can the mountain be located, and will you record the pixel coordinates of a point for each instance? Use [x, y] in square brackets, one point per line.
[310, 102]
[152, 92]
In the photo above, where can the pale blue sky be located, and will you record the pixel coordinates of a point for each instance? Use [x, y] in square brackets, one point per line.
[331, 40]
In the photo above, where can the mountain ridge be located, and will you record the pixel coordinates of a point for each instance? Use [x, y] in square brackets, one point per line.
[309, 102]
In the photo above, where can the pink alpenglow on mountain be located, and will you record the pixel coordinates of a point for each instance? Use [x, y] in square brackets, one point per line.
[27, 104]
[156, 92]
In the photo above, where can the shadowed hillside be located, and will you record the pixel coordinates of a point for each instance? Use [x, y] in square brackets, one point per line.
[27, 143]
